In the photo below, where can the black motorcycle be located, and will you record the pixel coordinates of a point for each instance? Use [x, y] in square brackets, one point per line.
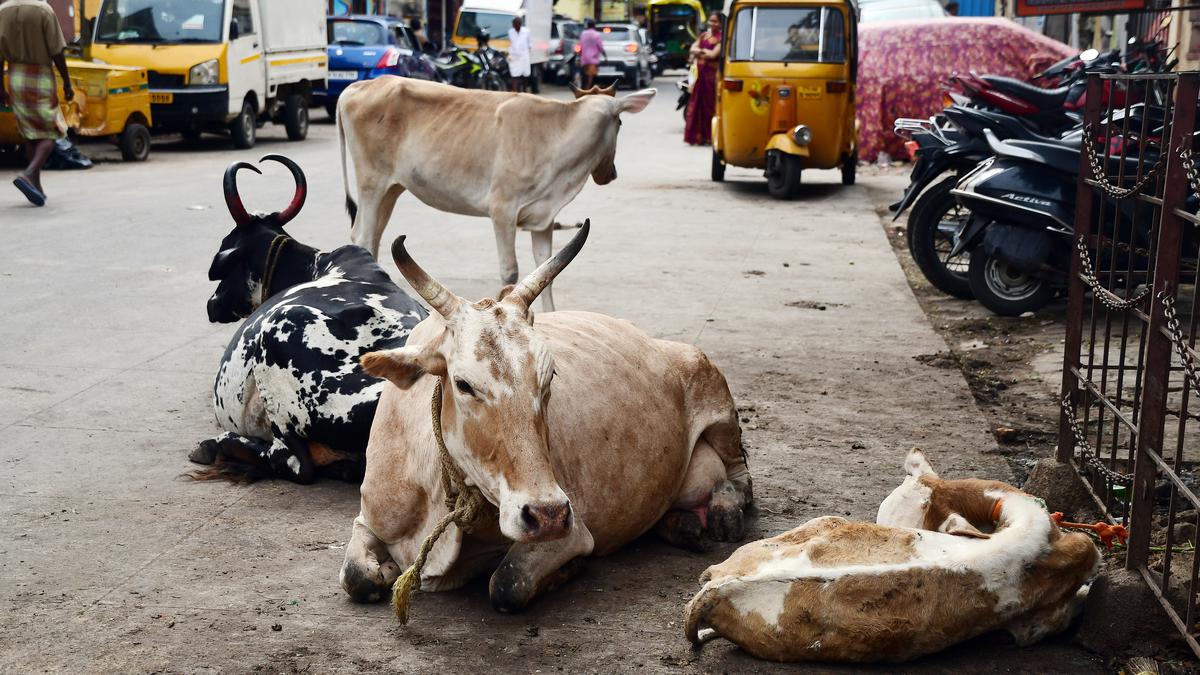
[485, 68]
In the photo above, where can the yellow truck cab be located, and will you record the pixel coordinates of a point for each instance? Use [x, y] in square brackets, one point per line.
[224, 66]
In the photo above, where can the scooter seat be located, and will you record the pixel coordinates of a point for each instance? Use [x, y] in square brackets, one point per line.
[1045, 99]
[1059, 155]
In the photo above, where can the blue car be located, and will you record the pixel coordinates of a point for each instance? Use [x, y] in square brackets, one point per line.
[364, 47]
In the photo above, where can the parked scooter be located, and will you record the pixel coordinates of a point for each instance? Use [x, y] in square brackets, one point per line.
[1021, 227]
[948, 150]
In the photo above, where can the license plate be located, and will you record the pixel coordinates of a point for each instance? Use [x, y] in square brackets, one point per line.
[162, 98]
[607, 71]
[343, 74]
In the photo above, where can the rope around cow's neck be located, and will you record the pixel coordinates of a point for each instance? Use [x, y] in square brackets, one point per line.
[467, 510]
[273, 252]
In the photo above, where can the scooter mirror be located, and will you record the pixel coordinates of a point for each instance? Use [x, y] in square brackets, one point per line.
[1089, 55]
[1166, 21]
[1132, 41]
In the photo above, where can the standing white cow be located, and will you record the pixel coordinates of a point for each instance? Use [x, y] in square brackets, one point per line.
[515, 158]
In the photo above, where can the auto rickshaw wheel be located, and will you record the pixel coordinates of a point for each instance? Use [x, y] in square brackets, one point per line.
[849, 169]
[135, 142]
[718, 167]
[783, 174]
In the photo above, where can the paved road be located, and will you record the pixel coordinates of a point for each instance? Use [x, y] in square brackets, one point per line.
[110, 562]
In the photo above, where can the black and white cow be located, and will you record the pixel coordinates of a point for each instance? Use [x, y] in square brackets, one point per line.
[289, 392]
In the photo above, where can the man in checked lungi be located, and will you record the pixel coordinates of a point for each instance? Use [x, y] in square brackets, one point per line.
[31, 45]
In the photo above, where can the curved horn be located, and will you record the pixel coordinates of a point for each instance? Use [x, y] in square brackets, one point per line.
[289, 212]
[610, 90]
[438, 296]
[232, 199]
[574, 90]
[525, 292]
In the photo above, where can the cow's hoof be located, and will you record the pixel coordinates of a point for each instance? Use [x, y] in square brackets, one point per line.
[726, 517]
[683, 528]
[364, 584]
[204, 453]
[510, 590]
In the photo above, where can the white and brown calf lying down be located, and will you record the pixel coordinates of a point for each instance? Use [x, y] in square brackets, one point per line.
[835, 590]
[583, 431]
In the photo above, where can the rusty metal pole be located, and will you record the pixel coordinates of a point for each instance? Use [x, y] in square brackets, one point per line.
[1158, 345]
[1083, 229]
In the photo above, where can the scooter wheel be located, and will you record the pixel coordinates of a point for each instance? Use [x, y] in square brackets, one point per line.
[932, 226]
[1004, 289]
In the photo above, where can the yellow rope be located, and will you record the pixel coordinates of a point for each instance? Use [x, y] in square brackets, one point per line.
[467, 510]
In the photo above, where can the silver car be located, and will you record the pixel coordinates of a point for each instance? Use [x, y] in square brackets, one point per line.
[626, 55]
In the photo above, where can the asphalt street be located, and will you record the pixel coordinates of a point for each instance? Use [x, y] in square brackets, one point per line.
[111, 562]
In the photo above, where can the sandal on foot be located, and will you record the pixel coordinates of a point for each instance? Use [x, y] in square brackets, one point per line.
[27, 188]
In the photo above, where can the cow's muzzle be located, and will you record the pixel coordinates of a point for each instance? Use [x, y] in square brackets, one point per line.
[546, 521]
[605, 176]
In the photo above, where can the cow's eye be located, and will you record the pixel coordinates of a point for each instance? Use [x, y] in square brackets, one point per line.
[464, 387]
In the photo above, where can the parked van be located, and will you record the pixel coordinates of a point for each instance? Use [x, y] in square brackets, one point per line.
[495, 16]
[224, 66]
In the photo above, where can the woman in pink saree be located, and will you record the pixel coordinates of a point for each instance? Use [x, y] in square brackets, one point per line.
[703, 100]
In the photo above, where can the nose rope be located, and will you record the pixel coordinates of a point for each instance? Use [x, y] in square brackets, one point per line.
[468, 509]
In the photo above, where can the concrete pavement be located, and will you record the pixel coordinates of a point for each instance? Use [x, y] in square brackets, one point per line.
[110, 562]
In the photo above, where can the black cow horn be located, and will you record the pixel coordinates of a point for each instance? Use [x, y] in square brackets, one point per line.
[531, 286]
[232, 199]
[292, 209]
[438, 296]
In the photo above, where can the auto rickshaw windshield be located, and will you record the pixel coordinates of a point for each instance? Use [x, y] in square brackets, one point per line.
[789, 34]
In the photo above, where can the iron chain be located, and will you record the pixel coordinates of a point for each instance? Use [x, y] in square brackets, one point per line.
[1105, 296]
[1085, 448]
[1100, 176]
[1189, 364]
[1189, 166]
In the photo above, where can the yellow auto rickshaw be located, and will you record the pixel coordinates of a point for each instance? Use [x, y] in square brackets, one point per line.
[674, 26]
[785, 90]
[110, 102]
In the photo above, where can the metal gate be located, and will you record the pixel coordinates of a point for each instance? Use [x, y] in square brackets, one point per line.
[1128, 376]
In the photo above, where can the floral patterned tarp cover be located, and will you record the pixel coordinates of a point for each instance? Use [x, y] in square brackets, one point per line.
[902, 65]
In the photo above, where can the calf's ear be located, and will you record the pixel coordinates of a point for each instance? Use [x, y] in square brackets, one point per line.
[404, 366]
[635, 102]
[957, 525]
[916, 465]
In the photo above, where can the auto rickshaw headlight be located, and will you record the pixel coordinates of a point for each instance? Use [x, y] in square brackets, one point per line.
[205, 73]
[802, 135]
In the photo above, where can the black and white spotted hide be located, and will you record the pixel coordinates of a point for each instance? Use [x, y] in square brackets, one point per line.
[289, 392]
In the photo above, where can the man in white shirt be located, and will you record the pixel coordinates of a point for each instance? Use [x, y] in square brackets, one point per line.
[518, 55]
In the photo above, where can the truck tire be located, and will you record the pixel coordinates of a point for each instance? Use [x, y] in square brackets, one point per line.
[244, 128]
[135, 142]
[295, 117]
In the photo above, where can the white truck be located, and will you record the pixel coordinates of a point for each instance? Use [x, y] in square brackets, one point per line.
[495, 16]
[224, 66]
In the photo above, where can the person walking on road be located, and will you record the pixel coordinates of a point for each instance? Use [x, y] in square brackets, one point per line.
[591, 50]
[518, 55]
[703, 100]
[31, 46]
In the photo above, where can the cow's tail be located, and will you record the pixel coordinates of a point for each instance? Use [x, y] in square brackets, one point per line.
[351, 206]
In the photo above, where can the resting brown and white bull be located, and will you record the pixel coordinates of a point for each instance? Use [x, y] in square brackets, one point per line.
[515, 158]
[835, 590]
[583, 431]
